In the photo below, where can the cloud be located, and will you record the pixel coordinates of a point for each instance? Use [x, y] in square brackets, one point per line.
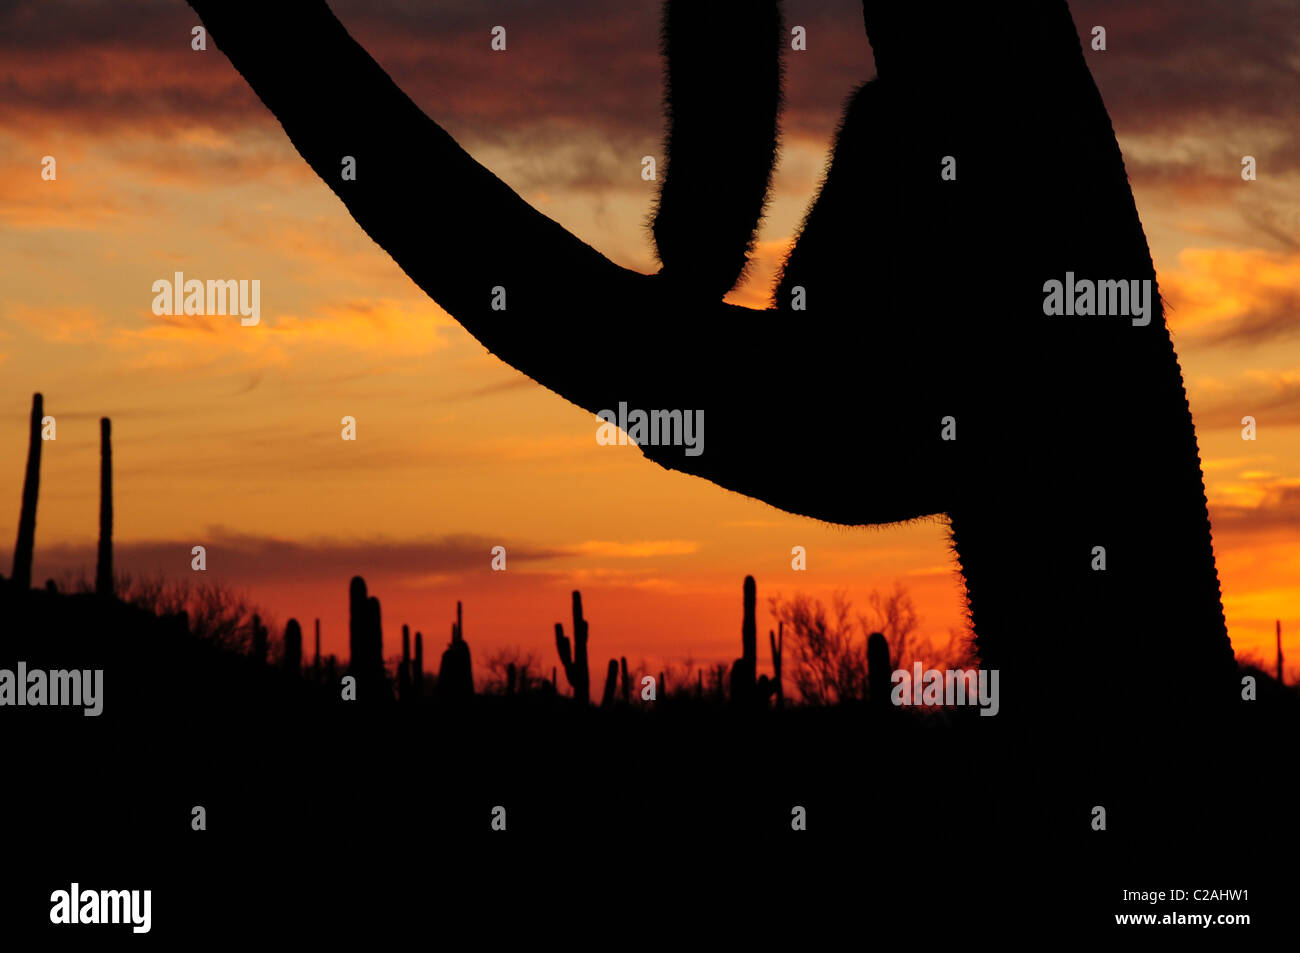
[1243, 297]
[1278, 509]
[638, 550]
[235, 558]
[1273, 399]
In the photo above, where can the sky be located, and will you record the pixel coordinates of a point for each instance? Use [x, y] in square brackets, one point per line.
[229, 437]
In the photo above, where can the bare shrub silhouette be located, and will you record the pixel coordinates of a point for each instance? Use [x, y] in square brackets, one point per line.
[512, 671]
[829, 657]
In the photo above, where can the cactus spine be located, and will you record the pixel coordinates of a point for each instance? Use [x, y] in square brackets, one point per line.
[22, 567]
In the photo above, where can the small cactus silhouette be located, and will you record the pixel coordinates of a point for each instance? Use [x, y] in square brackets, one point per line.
[777, 641]
[879, 669]
[417, 677]
[404, 669]
[259, 640]
[293, 648]
[611, 683]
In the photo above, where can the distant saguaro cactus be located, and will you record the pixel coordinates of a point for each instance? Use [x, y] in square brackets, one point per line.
[404, 670]
[417, 677]
[575, 662]
[777, 641]
[259, 639]
[366, 641]
[1280, 680]
[22, 567]
[315, 662]
[293, 648]
[104, 566]
[611, 683]
[456, 675]
[744, 689]
[879, 669]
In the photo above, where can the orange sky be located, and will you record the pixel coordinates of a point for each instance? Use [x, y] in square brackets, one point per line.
[229, 436]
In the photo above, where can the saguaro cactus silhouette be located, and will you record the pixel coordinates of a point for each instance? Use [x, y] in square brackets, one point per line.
[745, 688]
[24, 547]
[456, 675]
[575, 661]
[417, 678]
[1280, 679]
[292, 661]
[745, 669]
[104, 564]
[404, 668]
[611, 684]
[937, 281]
[777, 642]
[365, 638]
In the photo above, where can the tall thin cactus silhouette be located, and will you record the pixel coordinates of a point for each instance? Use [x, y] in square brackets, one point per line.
[104, 564]
[746, 687]
[24, 547]
[574, 659]
[1280, 679]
